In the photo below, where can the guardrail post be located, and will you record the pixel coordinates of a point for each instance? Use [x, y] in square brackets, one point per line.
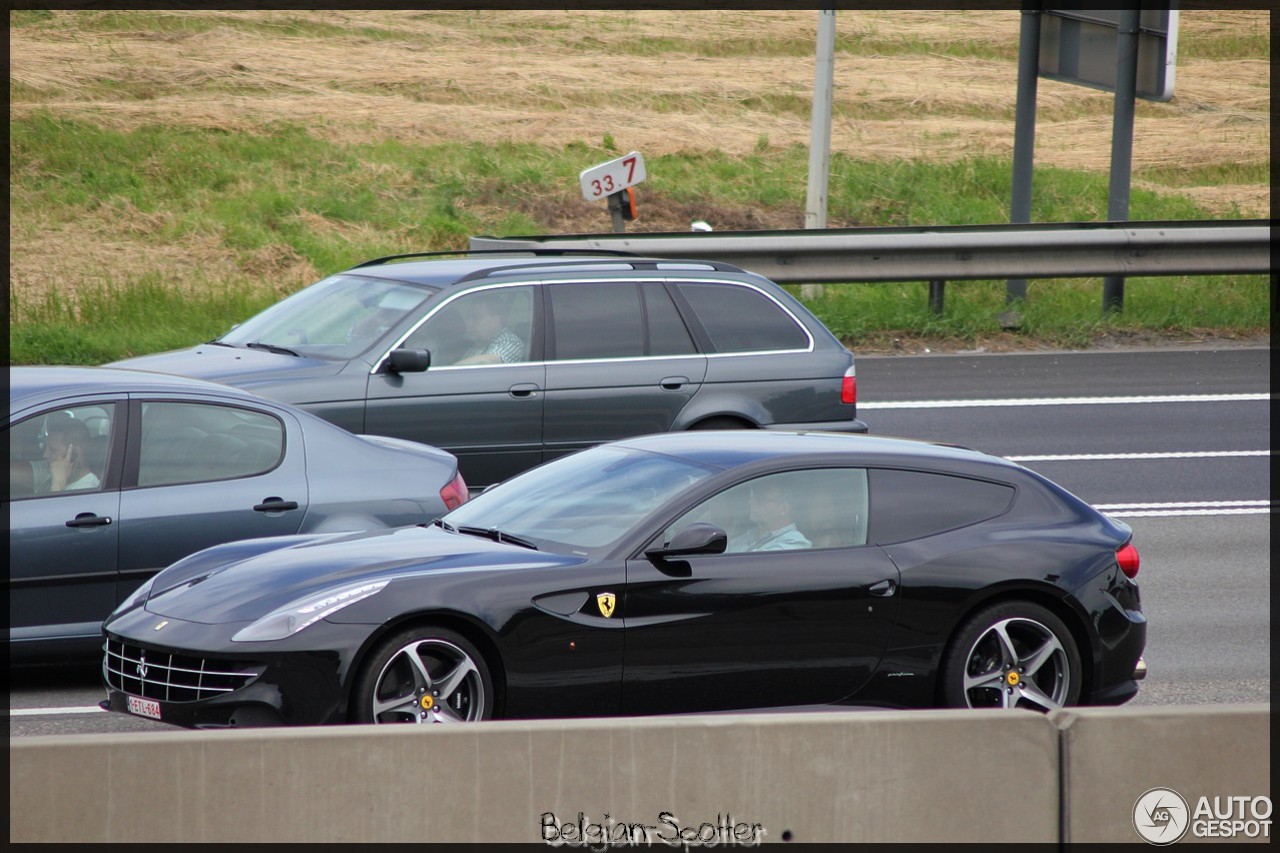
[937, 289]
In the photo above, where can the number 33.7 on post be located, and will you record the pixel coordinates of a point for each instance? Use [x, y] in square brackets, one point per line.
[606, 179]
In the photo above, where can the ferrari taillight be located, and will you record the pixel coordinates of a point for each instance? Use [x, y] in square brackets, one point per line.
[456, 493]
[1127, 558]
[849, 388]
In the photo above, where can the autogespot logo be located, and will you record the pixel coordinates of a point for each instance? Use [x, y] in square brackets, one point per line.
[1160, 816]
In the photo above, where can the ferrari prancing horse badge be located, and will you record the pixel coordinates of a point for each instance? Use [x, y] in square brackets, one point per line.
[606, 602]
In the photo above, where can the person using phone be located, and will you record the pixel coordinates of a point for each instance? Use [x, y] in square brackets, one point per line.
[64, 449]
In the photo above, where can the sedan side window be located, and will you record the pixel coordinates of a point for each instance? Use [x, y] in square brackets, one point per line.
[788, 511]
[64, 450]
[195, 442]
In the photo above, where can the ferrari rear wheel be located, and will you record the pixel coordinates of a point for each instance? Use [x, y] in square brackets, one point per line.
[424, 675]
[1012, 655]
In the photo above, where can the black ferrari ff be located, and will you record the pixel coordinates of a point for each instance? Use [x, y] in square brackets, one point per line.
[672, 573]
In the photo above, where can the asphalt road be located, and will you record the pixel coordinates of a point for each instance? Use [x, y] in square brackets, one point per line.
[1175, 441]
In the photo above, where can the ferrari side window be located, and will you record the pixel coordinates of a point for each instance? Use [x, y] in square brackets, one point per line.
[913, 504]
[793, 510]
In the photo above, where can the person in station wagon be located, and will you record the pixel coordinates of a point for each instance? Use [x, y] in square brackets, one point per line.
[494, 342]
[770, 508]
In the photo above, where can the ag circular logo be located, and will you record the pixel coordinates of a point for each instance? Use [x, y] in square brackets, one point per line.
[1161, 816]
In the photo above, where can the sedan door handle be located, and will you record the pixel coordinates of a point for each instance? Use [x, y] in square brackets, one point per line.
[674, 383]
[89, 519]
[524, 389]
[275, 505]
[883, 589]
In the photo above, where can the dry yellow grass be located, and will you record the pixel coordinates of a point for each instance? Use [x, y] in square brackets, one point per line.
[554, 77]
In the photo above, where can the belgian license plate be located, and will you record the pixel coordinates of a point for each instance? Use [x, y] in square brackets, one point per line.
[144, 707]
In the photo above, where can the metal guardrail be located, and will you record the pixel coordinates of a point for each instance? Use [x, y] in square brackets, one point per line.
[950, 253]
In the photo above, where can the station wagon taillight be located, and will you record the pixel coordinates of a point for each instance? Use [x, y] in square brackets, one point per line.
[456, 493]
[849, 388]
[1127, 557]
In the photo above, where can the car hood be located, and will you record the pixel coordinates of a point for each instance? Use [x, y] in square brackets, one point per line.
[246, 589]
[233, 365]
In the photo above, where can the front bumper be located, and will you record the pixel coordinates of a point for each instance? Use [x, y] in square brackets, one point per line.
[196, 682]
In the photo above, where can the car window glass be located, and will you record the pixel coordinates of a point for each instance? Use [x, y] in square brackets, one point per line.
[742, 319]
[913, 504]
[63, 450]
[339, 317]
[667, 332]
[597, 320]
[588, 500]
[196, 442]
[819, 508]
[490, 326]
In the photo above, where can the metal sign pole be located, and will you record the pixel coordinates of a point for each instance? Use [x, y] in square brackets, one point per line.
[1122, 142]
[615, 211]
[1024, 136]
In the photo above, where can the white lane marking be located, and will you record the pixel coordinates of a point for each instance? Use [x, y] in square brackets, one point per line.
[1156, 513]
[1060, 401]
[38, 712]
[1184, 504]
[1177, 454]
[1172, 508]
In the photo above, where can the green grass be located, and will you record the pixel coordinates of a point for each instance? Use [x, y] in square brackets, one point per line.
[1062, 313]
[335, 205]
[116, 319]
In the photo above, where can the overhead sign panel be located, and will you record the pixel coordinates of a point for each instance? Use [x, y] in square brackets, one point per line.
[1079, 46]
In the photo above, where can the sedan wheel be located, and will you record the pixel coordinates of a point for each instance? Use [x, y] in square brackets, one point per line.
[424, 675]
[1012, 655]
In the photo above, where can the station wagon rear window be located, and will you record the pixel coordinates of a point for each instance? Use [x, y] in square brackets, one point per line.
[740, 319]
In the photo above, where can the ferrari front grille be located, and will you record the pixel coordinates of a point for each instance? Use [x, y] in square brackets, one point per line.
[170, 677]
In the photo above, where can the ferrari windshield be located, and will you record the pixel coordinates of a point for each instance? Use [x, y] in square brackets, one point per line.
[339, 317]
[584, 501]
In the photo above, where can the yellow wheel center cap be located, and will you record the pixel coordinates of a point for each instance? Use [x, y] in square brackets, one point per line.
[426, 702]
[1012, 678]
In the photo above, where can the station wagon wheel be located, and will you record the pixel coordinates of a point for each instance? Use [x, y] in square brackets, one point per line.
[1012, 655]
[424, 675]
[721, 422]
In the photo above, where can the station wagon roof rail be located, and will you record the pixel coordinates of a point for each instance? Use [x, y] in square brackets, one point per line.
[636, 264]
[504, 252]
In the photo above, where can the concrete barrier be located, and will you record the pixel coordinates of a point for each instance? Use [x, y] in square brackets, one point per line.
[1112, 756]
[723, 779]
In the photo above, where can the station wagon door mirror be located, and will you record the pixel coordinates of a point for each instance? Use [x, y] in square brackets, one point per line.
[408, 360]
[698, 538]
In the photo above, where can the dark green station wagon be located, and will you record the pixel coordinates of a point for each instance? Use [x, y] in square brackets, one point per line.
[508, 359]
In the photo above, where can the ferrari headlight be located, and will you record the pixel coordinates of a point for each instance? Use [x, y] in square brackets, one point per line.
[296, 615]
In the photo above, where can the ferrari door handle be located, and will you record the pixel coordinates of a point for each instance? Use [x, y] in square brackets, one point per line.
[674, 383]
[275, 505]
[883, 589]
[89, 519]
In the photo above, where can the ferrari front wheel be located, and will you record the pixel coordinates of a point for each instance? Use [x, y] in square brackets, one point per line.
[424, 675]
